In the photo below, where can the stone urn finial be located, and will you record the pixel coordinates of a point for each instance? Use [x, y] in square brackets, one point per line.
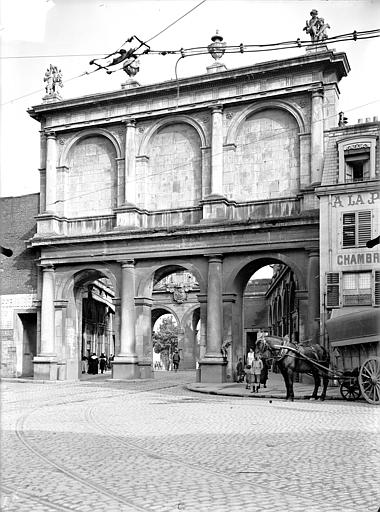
[217, 48]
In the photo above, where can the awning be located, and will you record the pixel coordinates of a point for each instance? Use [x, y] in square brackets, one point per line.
[354, 326]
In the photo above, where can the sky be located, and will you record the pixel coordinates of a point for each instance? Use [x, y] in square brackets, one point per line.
[69, 33]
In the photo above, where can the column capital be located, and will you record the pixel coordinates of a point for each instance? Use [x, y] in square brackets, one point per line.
[50, 134]
[216, 109]
[214, 258]
[317, 92]
[129, 263]
[47, 267]
[130, 122]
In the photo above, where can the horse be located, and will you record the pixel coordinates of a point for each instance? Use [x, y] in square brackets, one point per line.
[293, 358]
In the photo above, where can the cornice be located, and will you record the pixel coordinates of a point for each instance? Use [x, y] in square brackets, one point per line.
[277, 67]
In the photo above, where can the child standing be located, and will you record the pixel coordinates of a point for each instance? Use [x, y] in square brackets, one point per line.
[257, 366]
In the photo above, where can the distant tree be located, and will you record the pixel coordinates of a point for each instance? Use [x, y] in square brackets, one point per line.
[165, 339]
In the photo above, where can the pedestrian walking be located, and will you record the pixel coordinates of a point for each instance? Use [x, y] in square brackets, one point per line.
[257, 366]
[176, 360]
[102, 363]
[240, 371]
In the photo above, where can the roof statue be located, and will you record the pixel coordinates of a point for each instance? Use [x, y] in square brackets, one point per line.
[316, 27]
[53, 80]
[216, 49]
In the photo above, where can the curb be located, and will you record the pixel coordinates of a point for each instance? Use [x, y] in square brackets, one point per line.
[266, 396]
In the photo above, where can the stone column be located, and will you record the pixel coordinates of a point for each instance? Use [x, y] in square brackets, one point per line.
[130, 163]
[144, 345]
[213, 365]
[45, 364]
[313, 295]
[125, 365]
[217, 151]
[51, 172]
[317, 135]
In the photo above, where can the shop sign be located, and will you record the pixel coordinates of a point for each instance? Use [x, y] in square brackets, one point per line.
[355, 199]
[360, 258]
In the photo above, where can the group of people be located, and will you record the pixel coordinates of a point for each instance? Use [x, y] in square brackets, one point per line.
[92, 364]
[255, 371]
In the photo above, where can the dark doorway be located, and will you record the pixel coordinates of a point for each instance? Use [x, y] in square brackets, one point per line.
[29, 342]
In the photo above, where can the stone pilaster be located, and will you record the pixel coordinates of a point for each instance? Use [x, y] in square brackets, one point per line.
[125, 365]
[313, 295]
[213, 365]
[51, 172]
[130, 163]
[217, 151]
[317, 134]
[45, 363]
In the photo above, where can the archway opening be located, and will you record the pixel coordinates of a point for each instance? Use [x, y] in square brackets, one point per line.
[95, 310]
[175, 319]
[269, 304]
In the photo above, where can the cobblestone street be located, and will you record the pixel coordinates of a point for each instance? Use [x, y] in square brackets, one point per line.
[153, 445]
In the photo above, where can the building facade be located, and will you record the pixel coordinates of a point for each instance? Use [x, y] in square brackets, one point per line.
[217, 178]
[350, 217]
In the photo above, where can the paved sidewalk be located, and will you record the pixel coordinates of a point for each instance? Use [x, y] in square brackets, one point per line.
[275, 389]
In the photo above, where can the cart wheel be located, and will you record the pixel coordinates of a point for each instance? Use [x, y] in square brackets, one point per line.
[369, 380]
[350, 390]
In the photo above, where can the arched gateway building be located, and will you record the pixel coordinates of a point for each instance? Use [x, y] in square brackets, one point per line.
[216, 178]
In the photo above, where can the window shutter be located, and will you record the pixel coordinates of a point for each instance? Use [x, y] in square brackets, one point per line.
[377, 288]
[332, 298]
[364, 227]
[348, 229]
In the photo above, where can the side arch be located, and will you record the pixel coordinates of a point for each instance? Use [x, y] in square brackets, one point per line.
[158, 272]
[290, 107]
[249, 265]
[152, 130]
[82, 275]
[84, 135]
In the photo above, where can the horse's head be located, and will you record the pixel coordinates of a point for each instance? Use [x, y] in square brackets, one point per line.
[261, 345]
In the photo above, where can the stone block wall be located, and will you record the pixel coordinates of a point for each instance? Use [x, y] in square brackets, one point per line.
[172, 177]
[92, 180]
[266, 161]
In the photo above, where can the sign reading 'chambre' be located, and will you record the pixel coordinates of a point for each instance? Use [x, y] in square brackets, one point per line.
[360, 258]
[355, 199]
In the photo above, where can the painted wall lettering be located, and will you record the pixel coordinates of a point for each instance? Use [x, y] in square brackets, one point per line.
[358, 258]
[355, 199]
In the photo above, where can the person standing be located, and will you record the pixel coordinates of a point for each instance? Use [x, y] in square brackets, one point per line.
[250, 357]
[240, 371]
[176, 360]
[84, 364]
[93, 364]
[102, 363]
[257, 366]
[264, 372]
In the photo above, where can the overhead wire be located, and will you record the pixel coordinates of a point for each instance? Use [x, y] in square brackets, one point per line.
[227, 49]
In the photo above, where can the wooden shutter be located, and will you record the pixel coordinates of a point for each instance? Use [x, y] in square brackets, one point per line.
[364, 227]
[332, 285]
[349, 229]
[377, 288]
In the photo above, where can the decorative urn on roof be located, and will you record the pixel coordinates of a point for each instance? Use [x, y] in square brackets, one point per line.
[216, 49]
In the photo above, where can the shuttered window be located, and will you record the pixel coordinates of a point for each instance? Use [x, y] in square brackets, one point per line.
[332, 292]
[377, 288]
[356, 289]
[356, 228]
